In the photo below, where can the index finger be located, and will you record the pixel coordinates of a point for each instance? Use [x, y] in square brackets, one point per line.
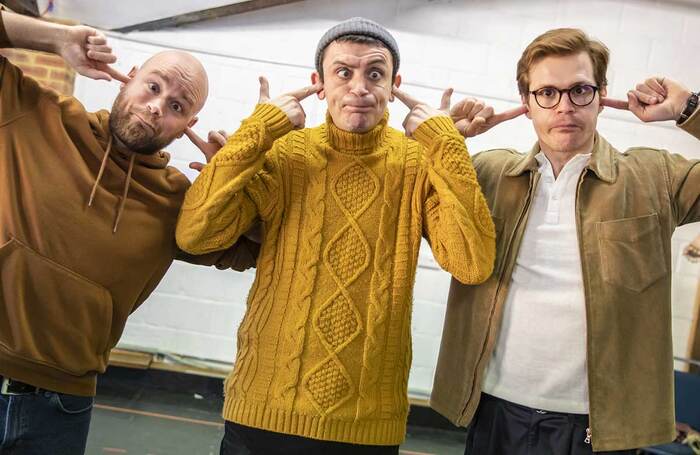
[306, 91]
[615, 104]
[196, 140]
[510, 114]
[405, 98]
[116, 74]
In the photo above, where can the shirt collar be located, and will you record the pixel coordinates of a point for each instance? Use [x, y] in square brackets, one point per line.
[603, 161]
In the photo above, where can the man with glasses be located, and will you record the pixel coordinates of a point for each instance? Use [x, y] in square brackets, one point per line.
[567, 348]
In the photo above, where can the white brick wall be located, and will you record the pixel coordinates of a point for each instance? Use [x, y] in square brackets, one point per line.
[471, 46]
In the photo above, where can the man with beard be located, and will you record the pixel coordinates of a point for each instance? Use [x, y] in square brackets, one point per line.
[325, 346]
[87, 220]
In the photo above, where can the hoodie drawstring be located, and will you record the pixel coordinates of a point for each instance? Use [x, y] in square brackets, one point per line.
[126, 190]
[122, 202]
[99, 174]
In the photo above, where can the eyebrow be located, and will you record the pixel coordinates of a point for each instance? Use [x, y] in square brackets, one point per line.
[373, 61]
[581, 82]
[167, 79]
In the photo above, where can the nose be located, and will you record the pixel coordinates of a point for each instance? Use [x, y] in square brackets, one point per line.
[154, 108]
[565, 104]
[359, 86]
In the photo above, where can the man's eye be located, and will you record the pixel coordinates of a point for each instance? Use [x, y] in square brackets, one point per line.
[547, 92]
[579, 90]
[176, 107]
[152, 86]
[375, 75]
[343, 72]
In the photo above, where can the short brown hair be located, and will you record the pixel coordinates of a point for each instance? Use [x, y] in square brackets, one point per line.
[562, 42]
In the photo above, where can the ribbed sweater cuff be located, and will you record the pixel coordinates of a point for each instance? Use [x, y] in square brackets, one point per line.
[692, 124]
[4, 39]
[433, 127]
[275, 120]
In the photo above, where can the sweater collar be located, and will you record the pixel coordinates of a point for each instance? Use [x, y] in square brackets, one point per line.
[355, 143]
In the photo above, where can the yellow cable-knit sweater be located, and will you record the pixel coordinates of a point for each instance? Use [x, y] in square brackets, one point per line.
[324, 349]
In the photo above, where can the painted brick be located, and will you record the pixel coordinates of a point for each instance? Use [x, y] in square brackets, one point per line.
[474, 49]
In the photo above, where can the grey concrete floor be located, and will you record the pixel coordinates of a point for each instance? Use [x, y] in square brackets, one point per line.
[133, 417]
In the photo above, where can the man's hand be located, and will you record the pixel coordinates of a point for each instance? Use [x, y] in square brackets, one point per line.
[473, 117]
[84, 48]
[290, 103]
[419, 112]
[216, 140]
[87, 51]
[692, 251]
[655, 100]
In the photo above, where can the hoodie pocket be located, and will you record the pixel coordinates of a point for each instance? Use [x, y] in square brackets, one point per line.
[50, 315]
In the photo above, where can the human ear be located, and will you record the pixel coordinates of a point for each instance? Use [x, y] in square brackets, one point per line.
[315, 79]
[397, 84]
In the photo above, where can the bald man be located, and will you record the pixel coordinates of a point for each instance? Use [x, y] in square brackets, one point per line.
[88, 206]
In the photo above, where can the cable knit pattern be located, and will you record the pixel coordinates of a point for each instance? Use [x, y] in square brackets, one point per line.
[380, 287]
[346, 256]
[324, 348]
[308, 259]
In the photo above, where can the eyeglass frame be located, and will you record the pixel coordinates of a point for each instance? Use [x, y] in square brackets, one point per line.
[595, 88]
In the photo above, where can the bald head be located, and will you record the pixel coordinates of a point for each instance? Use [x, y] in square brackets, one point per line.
[183, 68]
[160, 101]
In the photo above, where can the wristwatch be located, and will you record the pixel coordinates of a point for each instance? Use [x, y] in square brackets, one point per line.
[690, 107]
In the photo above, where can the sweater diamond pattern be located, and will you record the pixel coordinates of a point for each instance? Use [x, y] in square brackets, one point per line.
[338, 322]
[347, 255]
[457, 163]
[354, 187]
[329, 384]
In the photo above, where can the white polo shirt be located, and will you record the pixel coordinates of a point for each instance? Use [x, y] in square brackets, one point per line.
[540, 357]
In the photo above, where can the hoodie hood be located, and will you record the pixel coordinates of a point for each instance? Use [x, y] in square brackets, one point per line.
[127, 161]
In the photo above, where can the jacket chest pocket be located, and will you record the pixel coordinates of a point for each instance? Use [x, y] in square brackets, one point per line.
[631, 252]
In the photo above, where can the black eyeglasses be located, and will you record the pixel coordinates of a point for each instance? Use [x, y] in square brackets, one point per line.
[580, 95]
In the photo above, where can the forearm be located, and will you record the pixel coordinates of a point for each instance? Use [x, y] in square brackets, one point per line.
[29, 33]
[457, 219]
[241, 256]
[238, 186]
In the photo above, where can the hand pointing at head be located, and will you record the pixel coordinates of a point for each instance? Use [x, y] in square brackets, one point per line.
[654, 100]
[290, 103]
[473, 117]
[419, 111]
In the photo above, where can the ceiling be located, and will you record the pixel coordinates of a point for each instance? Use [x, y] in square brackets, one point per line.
[124, 14]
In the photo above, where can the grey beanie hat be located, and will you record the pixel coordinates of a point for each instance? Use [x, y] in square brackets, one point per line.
[358, 26]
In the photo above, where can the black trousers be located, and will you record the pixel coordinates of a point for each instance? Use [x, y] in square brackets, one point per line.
[243, 440]
[504, 428]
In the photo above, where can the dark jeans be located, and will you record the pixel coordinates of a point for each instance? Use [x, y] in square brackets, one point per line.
[242, 440]
[44, 423]
[504, 428]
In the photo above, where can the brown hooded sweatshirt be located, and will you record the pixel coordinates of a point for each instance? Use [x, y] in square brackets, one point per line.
[71, 272]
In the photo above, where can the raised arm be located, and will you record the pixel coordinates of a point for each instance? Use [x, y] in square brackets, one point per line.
[83, 48]
[241, 182]
[457, 221]
[659, 99]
